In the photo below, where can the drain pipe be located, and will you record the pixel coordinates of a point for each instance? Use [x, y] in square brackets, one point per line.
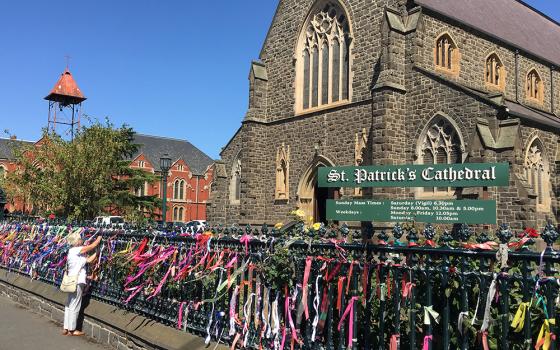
[552, 110]
[516, 75]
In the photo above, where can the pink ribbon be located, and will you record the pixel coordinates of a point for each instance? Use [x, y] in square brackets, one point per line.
[136, 291]
[349, 312]
[289, 316]
[180, 317]
[245, 239]
[427, 341]
[305, 286]
[235, 340]
[231, 262]
[161, 283]
[407, 290]
[394, 342]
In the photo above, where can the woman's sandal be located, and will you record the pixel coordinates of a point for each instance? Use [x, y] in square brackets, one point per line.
[65, 332]
[78, 333]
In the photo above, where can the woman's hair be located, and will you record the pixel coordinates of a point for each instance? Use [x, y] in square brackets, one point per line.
[73, 238]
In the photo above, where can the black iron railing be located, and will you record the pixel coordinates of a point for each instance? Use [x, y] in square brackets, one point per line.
[320, 289]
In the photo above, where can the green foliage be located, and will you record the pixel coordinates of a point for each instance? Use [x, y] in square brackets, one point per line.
[83, 178]
[278, 269]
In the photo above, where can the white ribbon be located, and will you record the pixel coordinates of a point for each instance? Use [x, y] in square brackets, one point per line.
[258, 299]
[461, 320]
[316, 307]
[383, 291]
[266, 313]
[247, 317]
[232, 330]
[489, 298]
[208, 335]
[502, 255]
[430, 313]
[275, 324]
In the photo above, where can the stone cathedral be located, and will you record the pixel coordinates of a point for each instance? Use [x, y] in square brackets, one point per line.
[372, 82]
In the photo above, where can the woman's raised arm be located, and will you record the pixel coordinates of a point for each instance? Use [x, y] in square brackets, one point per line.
[89, 248]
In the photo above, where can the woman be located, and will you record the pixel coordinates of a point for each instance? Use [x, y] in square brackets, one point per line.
[76, 264]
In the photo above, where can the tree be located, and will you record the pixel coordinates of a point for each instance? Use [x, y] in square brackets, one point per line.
[85, 177]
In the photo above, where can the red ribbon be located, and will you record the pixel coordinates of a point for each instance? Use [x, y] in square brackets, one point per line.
[339, 291]
[485, 341]
[519, 244]
[349, 278]
[365, 279]
[482, 246]
[430, 243]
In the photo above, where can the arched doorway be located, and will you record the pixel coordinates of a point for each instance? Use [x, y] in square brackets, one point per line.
[312, 199]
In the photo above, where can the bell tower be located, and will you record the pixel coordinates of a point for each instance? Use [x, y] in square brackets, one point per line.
[65, 105]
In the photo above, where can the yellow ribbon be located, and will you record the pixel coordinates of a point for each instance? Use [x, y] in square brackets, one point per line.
[519, 320]
[545, 336]
[125, 250]
[429, 312]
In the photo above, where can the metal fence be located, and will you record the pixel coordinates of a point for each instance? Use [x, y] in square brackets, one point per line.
[322, 288]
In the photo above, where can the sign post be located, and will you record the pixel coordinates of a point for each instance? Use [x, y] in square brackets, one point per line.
[425, 210]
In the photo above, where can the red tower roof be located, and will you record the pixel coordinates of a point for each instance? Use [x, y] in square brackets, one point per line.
[66, 91]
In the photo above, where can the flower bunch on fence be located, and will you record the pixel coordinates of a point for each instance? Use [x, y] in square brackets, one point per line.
[319, 287]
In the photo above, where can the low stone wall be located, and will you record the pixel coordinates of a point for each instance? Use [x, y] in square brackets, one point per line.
[104, 323]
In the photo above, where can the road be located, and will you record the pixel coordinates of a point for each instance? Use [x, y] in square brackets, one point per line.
[22, 329]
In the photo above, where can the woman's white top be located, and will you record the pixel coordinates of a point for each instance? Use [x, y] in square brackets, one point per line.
[77, 264]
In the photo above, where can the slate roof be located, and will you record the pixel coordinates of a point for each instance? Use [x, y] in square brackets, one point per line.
[154, 147]
[511, 21]
[7, 147]
[528, 113]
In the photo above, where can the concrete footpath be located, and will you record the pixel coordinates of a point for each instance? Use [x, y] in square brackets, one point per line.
[22, 329]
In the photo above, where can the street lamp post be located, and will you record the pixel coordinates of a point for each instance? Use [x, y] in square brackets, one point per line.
[165, 165]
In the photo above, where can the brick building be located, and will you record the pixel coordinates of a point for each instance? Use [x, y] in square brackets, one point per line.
[188, 179]
[7, 149]
[345, 82]
[188, 182]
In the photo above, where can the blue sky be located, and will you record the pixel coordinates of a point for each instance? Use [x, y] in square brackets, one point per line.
[168, 68]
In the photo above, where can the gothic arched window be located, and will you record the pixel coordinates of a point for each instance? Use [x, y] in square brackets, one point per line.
[534, 86]
[140, 191]
[235, 182]
[495, 72]
[440, 143]
[446, 54]
[537, 173]
[323, 65]
[179, 189]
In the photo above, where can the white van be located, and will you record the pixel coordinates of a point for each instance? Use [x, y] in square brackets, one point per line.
[108, 221]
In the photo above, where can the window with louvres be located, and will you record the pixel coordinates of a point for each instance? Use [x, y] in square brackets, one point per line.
[495, 72]
[534, 87]
[446, 55]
